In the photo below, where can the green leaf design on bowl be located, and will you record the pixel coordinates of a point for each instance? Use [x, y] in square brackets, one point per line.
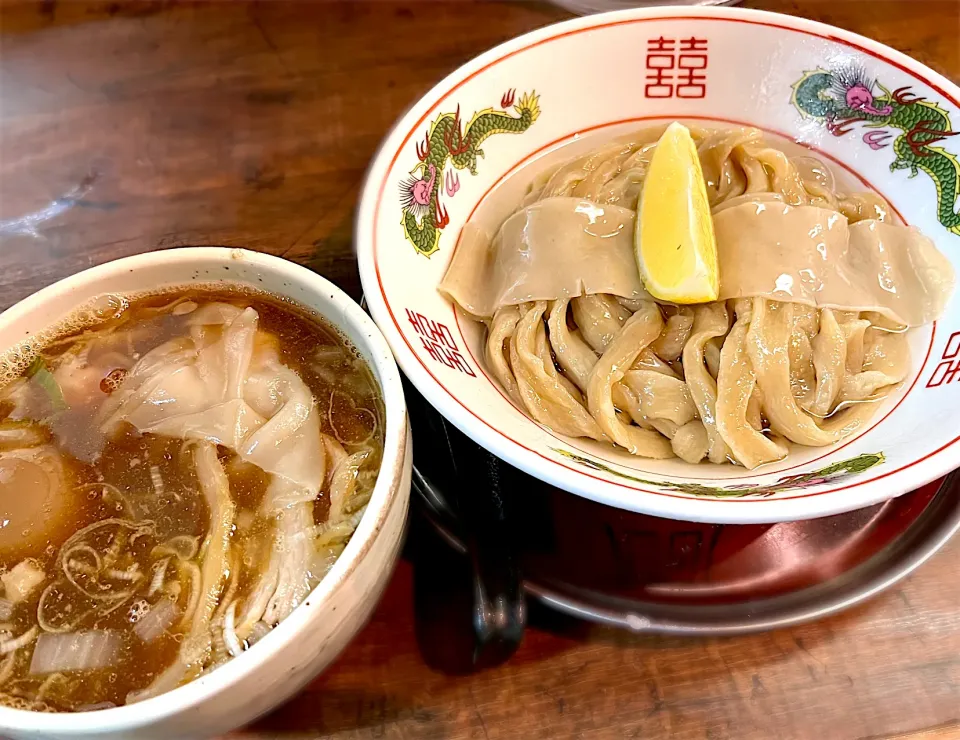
[831, 473]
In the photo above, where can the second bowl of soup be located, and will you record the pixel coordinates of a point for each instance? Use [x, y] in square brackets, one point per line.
[204, 475]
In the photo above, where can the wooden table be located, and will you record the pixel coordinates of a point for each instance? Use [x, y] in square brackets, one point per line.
[147, 126]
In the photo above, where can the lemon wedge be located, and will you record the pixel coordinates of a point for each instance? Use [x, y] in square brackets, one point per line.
[674, 242]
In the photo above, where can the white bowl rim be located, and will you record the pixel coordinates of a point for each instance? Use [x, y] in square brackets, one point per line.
[396, 440]
[732, 510]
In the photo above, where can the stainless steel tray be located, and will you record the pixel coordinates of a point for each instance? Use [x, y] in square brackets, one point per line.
[653, 575]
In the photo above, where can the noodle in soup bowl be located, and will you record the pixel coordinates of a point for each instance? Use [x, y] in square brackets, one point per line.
[315, 632]
[465, 156]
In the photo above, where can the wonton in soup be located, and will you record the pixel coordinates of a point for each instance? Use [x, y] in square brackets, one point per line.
[177, 472]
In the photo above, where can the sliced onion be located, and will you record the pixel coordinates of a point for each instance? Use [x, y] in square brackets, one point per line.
[159, 574]
[155, 622]
[131, 574]
[22, 579]
[158, 486]
[75, 651]
[96, 707]
[229, 631]
[8, 646]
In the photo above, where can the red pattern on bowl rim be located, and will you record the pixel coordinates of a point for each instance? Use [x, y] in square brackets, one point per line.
[439, 369]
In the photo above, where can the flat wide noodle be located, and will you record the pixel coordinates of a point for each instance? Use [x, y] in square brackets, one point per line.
[768, 348]
[546, 399]
[812, 255]
[638, 332]
[710, 322]
[568, 248]
[737, 383]
[818, 289]
[556, 248]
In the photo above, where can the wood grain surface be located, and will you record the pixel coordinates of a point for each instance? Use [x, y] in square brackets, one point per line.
[142, 126]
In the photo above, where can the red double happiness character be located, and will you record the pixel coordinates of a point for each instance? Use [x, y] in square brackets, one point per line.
[691, 68]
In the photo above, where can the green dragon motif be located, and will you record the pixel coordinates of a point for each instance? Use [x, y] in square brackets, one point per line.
[834, 472]
[423, 214]
[846, 97]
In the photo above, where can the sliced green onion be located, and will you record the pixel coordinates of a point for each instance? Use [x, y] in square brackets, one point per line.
[39, 371]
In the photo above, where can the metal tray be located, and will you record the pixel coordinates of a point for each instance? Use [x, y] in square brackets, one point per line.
[654, 575]
[659, 576]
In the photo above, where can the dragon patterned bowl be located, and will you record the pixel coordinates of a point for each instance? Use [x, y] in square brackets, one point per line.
[881, 120]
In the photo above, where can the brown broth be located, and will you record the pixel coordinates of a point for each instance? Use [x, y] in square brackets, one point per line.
[145, 477]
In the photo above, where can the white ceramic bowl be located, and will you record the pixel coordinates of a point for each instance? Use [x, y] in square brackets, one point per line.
[315, 633]
[596, 77]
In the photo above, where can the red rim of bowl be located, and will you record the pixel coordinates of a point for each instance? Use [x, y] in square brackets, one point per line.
[514, 451]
